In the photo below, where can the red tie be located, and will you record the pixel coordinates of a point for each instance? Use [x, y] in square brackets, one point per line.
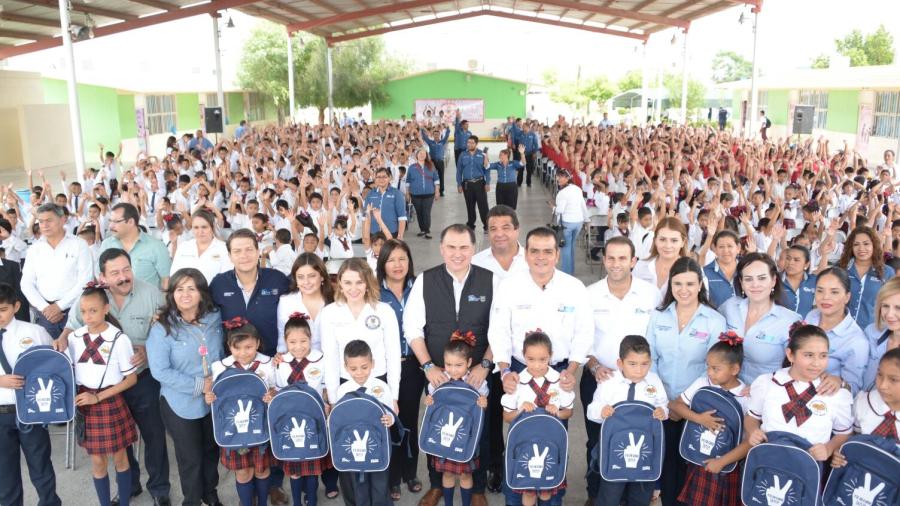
[92, 350]
[541, 397]
[344, 243]
[888, 427]
[297, 371]
[796, 407]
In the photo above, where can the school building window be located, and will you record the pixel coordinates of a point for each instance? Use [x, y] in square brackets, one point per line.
[819, 100]
[763, 102]
[212, 100]
[256, 109]
[887, 114]
[160, 113]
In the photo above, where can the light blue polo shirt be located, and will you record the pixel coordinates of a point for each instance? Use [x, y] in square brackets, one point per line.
[150, 259]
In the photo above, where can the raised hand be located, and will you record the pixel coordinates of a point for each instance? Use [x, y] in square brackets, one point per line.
[448, 431]
[298, 433]
[536, 462]
[359, 446]
[775, 494]
[632, 452]
[242, 417]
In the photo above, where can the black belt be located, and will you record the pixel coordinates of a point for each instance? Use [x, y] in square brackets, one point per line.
[8, 409]
[476, 180]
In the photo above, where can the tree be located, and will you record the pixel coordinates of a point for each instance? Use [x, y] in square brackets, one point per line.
[360, 68]
[597, 89]
[263, 65]
[729, 66]
[696, 92]
[823, 61]
[876, 48]
[631, 80]
[579, 94]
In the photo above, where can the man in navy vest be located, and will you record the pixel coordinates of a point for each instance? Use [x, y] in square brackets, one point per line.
[252, 292]
[455, 295]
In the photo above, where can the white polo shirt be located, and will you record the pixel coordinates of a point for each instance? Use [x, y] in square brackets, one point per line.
[19, 336]
[616, 318]
[608, 393]
[869, 411]
[56, 274]
[560, 309]
[312, 371]
[831, 414]
[703, 381]
[117, 356]
[214, 260]
[524, 393]
[374, 387]
[265, 369]
[485, 258]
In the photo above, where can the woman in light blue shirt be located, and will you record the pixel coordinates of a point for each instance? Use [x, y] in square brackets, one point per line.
[798, 285]
[848, 349]
[754, 315]
[884, 333]
[680, 332]
[864, 262]
[189, 329]
[720, 272]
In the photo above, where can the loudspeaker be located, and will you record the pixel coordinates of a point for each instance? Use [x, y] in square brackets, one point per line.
[212, 117]
[803, 119]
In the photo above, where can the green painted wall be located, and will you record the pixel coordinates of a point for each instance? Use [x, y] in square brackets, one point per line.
[778, 106]
[843, 111]
[98, 126]
[127, 120]
[235, 103]
[502, 98]
[271, 112]
[187, 107]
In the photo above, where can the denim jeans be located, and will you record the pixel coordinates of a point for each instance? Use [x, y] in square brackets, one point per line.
[570, 232]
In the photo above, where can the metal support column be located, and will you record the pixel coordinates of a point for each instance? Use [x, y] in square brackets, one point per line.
[290, 77]
[330, 84]
[644, 86]
[220, 93]
[753, 113]
[684, 79]
[71, 83]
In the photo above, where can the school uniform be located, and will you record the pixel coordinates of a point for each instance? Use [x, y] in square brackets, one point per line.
[257, 457]
[800, 300]
[848, 350]
[443, 465]
[720, 287]
[765, 341]
[341, 246]
[214, 260]
[702, 488]
[287, 305]
[282, 258]
[541, 392]
[616, 389]
[288, 372]
[34, 444]
[100, 362]
[878, 341]
[863, 292]
[646, 270]
[377, 326]
[871, 415]
[507, 190]
[816, 420]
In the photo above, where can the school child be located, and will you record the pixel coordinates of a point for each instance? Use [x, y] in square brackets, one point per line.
[457, 361]
[302, 363]
[538, 387]
[103, 370]
[705, 485]
[15, 337]
[250, 466]
[358, 362]
[281, 256]
[631, 381]
[340, 240]
[787, 400]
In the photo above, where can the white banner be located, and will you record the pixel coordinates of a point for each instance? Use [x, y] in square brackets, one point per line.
[432, 109]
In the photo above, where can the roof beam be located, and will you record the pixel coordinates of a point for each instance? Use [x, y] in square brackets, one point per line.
[473, 14]
[365, 13]
[293, 11]
[155, 19]
[265, 13]
[325, 5]
[620, 13]
[156, 4]
[29, 20]
[80, 7]
[16, 34]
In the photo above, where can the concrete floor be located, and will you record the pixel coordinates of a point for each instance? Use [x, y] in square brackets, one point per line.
[75, 486]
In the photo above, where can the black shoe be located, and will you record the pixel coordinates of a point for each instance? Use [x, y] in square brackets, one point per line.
[162, 500]
[134, 493]
[494, 482]
[428, 236]
[420, 234]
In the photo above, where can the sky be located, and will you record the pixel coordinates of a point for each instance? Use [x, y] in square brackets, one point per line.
[177, 56]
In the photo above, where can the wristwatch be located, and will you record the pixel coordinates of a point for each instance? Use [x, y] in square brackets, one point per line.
[427, 365]
[488, 365]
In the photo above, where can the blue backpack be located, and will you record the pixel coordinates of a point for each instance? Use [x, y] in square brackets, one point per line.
[48, 395]
[356, 436]
[297, 424]
[781, 471]
[631, 444]
[239, 413]
[871, 476]
[537, 447]
[451, 427]
[699, 444]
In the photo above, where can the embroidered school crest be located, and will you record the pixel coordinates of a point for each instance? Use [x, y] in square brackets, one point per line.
[373, 322]
[377, 391]
[313, 373]
[650, 390]
[818, 408]
[25, 342]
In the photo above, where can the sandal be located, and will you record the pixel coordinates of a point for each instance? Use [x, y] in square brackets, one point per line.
[395, 493]
[414, 485]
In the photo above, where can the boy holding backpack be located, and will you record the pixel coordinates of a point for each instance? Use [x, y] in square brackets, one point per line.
[15, 337]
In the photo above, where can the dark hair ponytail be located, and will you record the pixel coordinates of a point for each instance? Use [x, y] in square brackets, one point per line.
[730, 346]
[799, 333]
[98, 289]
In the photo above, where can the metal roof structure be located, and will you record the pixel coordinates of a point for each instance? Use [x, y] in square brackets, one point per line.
[32, 25]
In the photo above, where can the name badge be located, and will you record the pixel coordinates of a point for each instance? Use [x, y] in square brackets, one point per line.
[663, 328]
[699, 335]
[228, 294]
[477, 298]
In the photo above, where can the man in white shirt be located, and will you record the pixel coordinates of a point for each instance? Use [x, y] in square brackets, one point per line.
[57, 267]
[505, 256]
[621, 306]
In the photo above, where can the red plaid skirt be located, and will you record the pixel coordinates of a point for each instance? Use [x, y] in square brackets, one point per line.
[258, 457]
[442, 465]
[552, 491]
[306, 467]
[108, 425]
[702, 488]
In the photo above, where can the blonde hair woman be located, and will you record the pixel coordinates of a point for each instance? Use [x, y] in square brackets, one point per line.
[883, 333]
